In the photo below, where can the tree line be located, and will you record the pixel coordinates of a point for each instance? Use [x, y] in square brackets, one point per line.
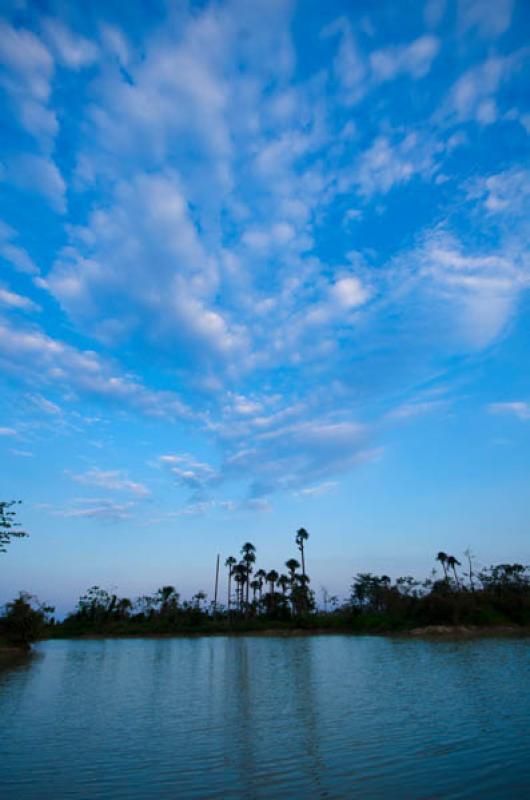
[255, 598]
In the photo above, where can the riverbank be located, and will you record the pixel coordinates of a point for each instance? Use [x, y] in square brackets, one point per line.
[9, 650]
[427, 631]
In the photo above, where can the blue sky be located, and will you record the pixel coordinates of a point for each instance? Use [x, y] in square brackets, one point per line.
[263, 265]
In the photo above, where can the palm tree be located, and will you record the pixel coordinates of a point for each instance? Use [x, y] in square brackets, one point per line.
[239, 572]
[271, 578]
[261, 576]
[165, 595]
[301, 537]
[248, 553]
[230, 561]
[469, 556]
[292, 565]
[198, 598]
[283, 583]
[453, 562]
[254, 585]
[442, 558]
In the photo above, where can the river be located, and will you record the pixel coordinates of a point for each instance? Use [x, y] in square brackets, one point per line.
[257, 717]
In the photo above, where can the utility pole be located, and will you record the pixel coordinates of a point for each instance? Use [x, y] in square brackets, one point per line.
[216, 585]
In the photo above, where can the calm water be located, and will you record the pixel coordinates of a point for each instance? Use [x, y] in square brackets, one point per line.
[333, 717]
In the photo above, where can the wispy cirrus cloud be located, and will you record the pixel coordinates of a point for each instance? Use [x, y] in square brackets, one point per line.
[96, 508]
[516, 408]
[112, 480]
[16, 301]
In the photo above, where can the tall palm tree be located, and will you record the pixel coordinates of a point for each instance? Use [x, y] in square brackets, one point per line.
[442, 558]
[301, 537]
[230, 561]
[452, 563]
[248, 557]
[469, 556]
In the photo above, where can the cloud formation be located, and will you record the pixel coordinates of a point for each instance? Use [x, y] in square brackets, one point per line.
[260, 231]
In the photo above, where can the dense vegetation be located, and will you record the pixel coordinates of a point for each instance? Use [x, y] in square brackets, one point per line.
[259, 599]
[24, 621]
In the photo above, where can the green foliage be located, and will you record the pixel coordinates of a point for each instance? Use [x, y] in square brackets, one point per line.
[24, 620]
[9, 528]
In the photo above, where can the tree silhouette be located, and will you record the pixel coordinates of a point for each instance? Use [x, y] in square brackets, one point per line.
[442, 558]
[292, 565]
[230, 561]
[471, 574]
[283, 582]
[239, 571]
[261, 576]
[9, 528]
[167, 598]
[254, 585]
[301, 537]
[271, 579]
[452, 563]
[248, 553]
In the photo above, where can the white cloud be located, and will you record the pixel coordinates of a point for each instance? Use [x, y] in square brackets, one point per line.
[348, 292]
[293, 456]
[489, 18]
[146, 250]
[318, 490]
[506, 192]
[45, 405]
[473, 95]
[97, 508]
[26, 77]
[475, 293]
[35, 356]
[359, 73]
[112, 480]
[115, 42]
[38, 174]
[16, 301]
[16, 256]
[350, 64]
[72, 50]
[517, 408]
[8, 432]
[385, 165]
[414, 59]
[416, 409]
[190, 472]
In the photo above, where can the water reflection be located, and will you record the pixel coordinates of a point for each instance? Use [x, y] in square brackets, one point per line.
[250, 717]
